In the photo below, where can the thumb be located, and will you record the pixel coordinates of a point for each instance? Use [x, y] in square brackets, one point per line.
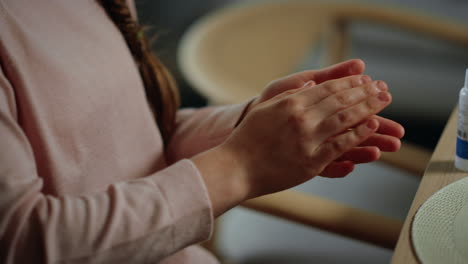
[340, 70]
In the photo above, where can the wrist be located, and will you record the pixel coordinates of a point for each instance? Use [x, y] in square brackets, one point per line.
[251, 104]
[224, 177]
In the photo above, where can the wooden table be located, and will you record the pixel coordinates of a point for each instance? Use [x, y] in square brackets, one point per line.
[440, 172]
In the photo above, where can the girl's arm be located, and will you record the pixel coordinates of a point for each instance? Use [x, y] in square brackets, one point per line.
[136, 221]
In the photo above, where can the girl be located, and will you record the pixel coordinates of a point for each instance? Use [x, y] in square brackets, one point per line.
[98, 166]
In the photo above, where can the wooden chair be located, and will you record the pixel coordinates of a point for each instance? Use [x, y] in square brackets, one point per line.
[230, 56]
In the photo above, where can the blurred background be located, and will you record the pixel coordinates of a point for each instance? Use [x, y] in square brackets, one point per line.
[424, 75]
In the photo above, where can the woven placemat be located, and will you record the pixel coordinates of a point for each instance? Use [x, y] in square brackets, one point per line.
[440, 227]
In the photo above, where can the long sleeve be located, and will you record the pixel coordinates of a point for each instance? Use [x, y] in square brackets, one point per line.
[198, 130]
[134, 221]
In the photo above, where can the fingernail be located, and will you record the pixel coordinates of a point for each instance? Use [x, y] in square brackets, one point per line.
[366, 79]
[372, 124]
[384, 96]
[309, 83]
[382, 86]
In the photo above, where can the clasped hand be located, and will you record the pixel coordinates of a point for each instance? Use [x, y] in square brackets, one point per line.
[315, 129]
[303, 125]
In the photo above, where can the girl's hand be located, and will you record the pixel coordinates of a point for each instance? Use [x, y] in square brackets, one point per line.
[293, 81]
[301, 133]
[387, 137]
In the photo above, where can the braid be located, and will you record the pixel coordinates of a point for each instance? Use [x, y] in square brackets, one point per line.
[160, 87]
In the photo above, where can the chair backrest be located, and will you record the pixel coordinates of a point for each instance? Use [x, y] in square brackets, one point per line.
[232, 54]
[242, 48]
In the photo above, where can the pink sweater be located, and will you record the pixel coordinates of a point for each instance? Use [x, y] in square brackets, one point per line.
[83, 174]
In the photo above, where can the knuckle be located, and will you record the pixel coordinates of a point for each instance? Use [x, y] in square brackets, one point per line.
[338, 146]
[342, 99]
[297, 120]
[343, 117]
[330, 88]
[291, 104]
[360, 134]
[355, 81]
[370, 106]
[327, 125]
[370, 89]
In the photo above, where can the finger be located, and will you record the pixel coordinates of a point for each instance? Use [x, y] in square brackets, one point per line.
[346, 98]
[338, 122]
[317, 93]
[383, 142]
[390, 127]
[361, 155]
[287, 93]
[338, 169]
[340, 70]
[332, 150]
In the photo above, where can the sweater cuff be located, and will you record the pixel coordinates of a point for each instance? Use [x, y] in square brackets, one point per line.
[189, 204]
[202, 129]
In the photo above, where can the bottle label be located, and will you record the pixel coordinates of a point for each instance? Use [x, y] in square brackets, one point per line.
[462, 131]
[462, 148]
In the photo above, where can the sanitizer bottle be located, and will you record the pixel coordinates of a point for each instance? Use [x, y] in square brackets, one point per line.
[461, 158]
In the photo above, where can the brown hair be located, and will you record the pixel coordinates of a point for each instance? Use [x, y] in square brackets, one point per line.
[160, 87]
